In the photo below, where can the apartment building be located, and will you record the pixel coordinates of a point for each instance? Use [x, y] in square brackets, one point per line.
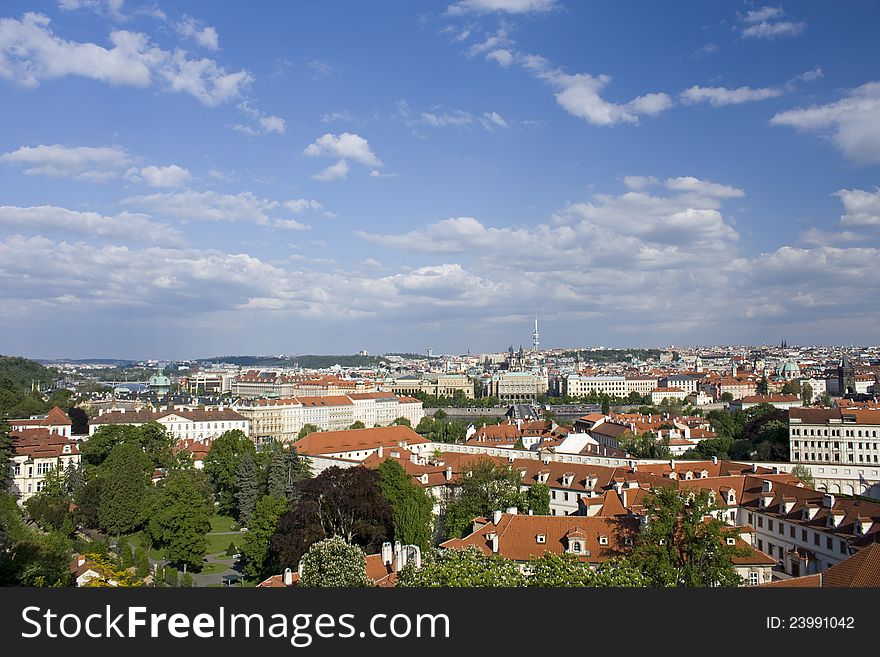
[37, 451]
[180, 423]
[843, 435]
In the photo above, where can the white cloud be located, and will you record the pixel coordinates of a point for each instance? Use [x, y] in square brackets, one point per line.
[205, 36]
[769, 23]
[720, 96]
[52, 219]
[30, 53]
[300, 205]
[111, 8]
[861, 208]
[169, 176]
[852, 123]
[333, 172]
[501, 56]
[508, 6]
[578, 95]
[703, 187]
[347, 145]
[818, 237]
[332, 117]
[290, 224]
[456, 118]
[493, 120]
[82, 162]
[208, 206]
[262, 122]
[321, 68]
[639, 182]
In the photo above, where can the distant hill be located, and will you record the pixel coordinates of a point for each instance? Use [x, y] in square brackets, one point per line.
[17, 376]
[307, 361]
[88, 361]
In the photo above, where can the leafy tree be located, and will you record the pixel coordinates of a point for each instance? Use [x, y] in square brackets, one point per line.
[334, 563]
[151, 437]
[358, 425]
[559, 570]
[727, 397]
[806, 394]
[762, 387]
[286, 469]
[80, 420]
[182, 516]
[306, 430]
[791, 388]
[804, 474]
[606, 405]
[255, 546]
[338, 502]
[29, 557]
[538, 499]
[485, 488]
[7, 450]
[187, 580]
[221, 465]
[124, 482]
[141, 562]
[439, 414]
[461, 568]
[684, 543]
[110, 574]
[646, 446]
[412, 507]
[619, 573]
[50, 508]
[247, 488]
[825, 400]
[402, 421]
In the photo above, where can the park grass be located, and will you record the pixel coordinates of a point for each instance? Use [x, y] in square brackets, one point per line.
[222, 523]
[212, 568]
[217, 543]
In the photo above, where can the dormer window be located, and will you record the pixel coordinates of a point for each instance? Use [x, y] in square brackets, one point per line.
[66, 449]
[628, 540]
[603, 540]
[731, 541]
[541, 539]
[576, 547]
[567, 479]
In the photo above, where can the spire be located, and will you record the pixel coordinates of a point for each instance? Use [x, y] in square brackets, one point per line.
[535, 335]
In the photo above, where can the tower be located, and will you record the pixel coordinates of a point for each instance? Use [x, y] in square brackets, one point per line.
[535, 341]
[846, 376]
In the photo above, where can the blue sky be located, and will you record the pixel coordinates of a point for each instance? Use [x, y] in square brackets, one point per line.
[189, 179]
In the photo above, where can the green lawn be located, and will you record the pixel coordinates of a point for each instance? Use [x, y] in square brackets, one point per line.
[222, 524]
[211, 568]
[218, 543]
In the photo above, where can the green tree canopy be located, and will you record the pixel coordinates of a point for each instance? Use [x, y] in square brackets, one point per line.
[411, 506]
[124, 484]
[181, 516]
[485, 487]
[247, 488]
[333, 562]
[306, 430]
[538, 499]
[221, 465]
[461, 568]
[684, 543]
[258, 562]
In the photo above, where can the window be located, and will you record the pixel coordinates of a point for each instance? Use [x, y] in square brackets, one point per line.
[731, 540]
[760, 545]
[603, 540]
[816, 538]
[541, 538]
[769, 525]
[753, 578]
[782, 529]
[791, 531]
[760, 521]
[843, 547]
[804, 535]
[829, 543]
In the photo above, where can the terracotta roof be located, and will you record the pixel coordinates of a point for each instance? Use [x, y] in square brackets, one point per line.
[860, 570]
[518, 536]
[331, 442]
[55, 417]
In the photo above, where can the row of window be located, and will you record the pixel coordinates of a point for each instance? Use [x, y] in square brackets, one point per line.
[827, 444]
[792, 533]
[848, 433]
[813, 456]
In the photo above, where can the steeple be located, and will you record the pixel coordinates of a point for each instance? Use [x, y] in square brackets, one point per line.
[535, 341]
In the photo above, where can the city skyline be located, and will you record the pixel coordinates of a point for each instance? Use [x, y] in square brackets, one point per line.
[194, 180]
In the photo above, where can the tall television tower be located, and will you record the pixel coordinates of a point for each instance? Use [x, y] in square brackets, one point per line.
[535, 341]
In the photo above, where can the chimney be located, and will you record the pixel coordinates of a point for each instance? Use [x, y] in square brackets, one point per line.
[379, 452]
[448, 473]
[398, 557]
[767, 486]
[714, 460]
[288, 577]
[387, 553]
[828, 501]
[512, 510]
[413, 458]
[496, 517]
[672, 463]
[623, 497]
[754, 467]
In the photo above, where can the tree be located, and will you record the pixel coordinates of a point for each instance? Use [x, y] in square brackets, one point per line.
[538, 499]
[485, 488]
[606, 405]
[804, 475]
[151, 437]
[7, 450]
[110, 574]
[762, 387]
[221, 465]
[411, 507]
[461, 568]
[306, 430]
[684, 543]
[334, 562]
[80, 420]
[439, 414]
[29, 557]
[559, 570]
[247, 488]
[807, 394]
[255, 545]
[402, 421]
[824, 400]
[182, 516]
[619, 573]
[791, 388]
[50, 508]
[338, 502]
[646, 446]
[727, 397]
[124, 483]
[286, 470]
[358, 425]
